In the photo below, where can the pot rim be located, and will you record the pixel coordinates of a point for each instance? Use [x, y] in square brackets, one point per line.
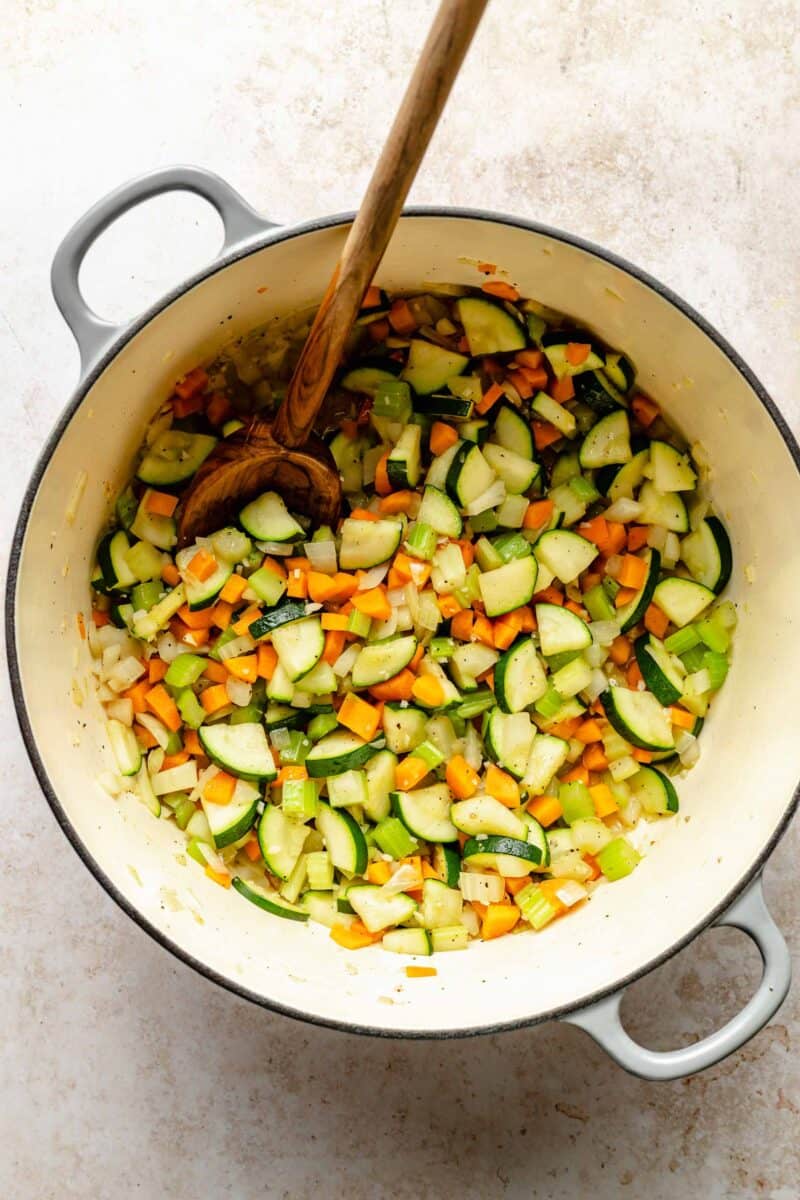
[244, 250]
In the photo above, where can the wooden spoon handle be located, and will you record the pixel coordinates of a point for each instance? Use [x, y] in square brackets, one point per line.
[439, 63]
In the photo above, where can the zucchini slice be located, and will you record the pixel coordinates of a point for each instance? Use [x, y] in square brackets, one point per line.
[510, 586]
[631, 613]
[489, 327]
[469, 475]
[620, 482]
[517, 473]
[447, 864]
[519, 678]
[486, 815]
[510, 857]
[658, 671]
[682, 599]
[409, 941]
[299, 646]
[638, 717]
[339, 751]
[662, 508]
[201, 592]
[430, 366]
[267, 519]
[370, 373]
[425, 812]
[511, 431]
[280, 840]
[292, 610]
[555, 342]
[547, 756]
[380, 772]
[654, 791]
[403, 463]
[560, 630]
[229, 822]
[608, 442]
[708, 555]
[113, 561]
[241, 749]
[438, 511]
[379, 661]
[404, 727]
[598, 390]
[671, 470]
[565, 553]
[509, 738]
[344, 840]
[620, 370]
[174, 457]
[367, 544]
[270, 901]
[379, 909]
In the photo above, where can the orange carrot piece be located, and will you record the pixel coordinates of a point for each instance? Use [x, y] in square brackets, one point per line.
[499, 919]
[277, 568]
[550, 595]
[378, 331]
[620, 650]
[624, 596]
[517, 884]
[537, 513]
[163, 706]
[593, 758]
[595, 531]
[637, 537]
[373, 603]
[520, 381]
[382, 485]
[462, 779]
[359, 717]
[603, 799]
[297, 587]
[589, 731]
[500, 289]
[398, 502]
[546, 809]
[409, 772]
[562, 389]
[401, 317]
[170, 574]
[222, 614]
[632, 573]
[290, 772]
[633, 676]
[421, 972]
[482, 631]
[419, 654]
[576, 775]
[194, 381]
[192, 744]
[162, 504]
[565, 729]
[354, 937]
[267, 661]
[156, 670]
[253, 850]
[214, 698]
[220, 788]
[202, 565]
[505, 630]
[544, 434]
[448, 606]
[372, 297]
[215, 671]
[461, 625]
[428, 691]
[656, 621]
[399, 687]
[99, 618]
[645, 410]
[678, 716]
[442, 437]
[529, 358]
[379, 872]
[244, 666]
[489, 398]
[334, 621]
[616, 540]
[144, 737]
[224, 880]
[576, 608]
[203, 618]
[334, 645]
[233, 589]
[174, 760]
[138, 695]
[502, 786]
[486, 268]
[577, 353]
[642, 756]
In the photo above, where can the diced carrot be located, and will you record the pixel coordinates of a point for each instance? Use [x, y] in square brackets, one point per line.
[399, 687]
[233, 589]
[645, 410]
[191, 383]
[616, 540]
[99, 618]
[185, 407]
[428, 691]
[488, 678]
[545, 434]
[593, 758]
[354, 937]
[398, 502]
[637, 537]
[218, 408]
[334, 621]
[214, 698]
[382, 485]
[402, 564]
[421, 972]
[401, 317]
[334, 645]
[550, 595]
[632, 573]
[463, 345]
[620, 650]
[161, 703]
[379, 872]
[633, 676]
[499, 919]
[215, 672]
[359, 717]
[156, 670]
[546, 809]
[220, 788]
[373, 603]
[642, 756]
[656, 621]
[576, 608]
[478, 908]
[321, 587]
[486, 268]
[467, 551]
[170, 574]
[536, 377]
[409, 772]
[537, 513]
[346, 586]
[442, 437]
[505, 630]
[577, 353]
[372, 297]
[482, 631]
[462, 779]
[595, 530]
[222, 878]
[593, 866]
[253, 850]
[222, 614]
[500, 289]
[379, 330]
[202, 565]
[529, 358]
[428, 871]
[624, 596]
[161, 503]
[520, 381]
[591, 579]
[576, 775]
[419, 654]
[138, 695]
[290, 772]
[678, 716]
[349, 428]
[244, 666]
[589, 731]
[297, 587]
[174, 760]
[277, 568]
[145, 738]
[461, 625]
[562, 389]
[517, 884]
[202, 618]
[502, 786]
[266, 661]
[448, 606]
[364, 514]
[192, 744]
[489, 398]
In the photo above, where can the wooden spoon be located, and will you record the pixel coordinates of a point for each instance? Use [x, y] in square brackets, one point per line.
[284, 455]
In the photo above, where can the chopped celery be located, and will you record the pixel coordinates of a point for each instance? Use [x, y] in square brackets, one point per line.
[267, 585]
[572, 678]
[126, 508]
[550, 703]
[421, 541]
[185, 670]
[359, 623]
[484, 522]
[429, 754]
[319, 871]
[479, 702]
[556, 661]
[584, 489]
[576, 801]
[726, 614]
[509, 546]
[194, 851]
[299, 799]
[145, 561]
[320, 725]
[598, 605]
[486, 556]
[717, 666]
[713, 633]
[442, 647]
[683, 640]
[192, 712]
[250, 714]
[393, 838]
[393, 400]
[184, 813]
[145, 595]
[537, 908]
[292, 745]
[174, 743]
[323, 534]
[617, 859]
[693, 659]
[226, 636]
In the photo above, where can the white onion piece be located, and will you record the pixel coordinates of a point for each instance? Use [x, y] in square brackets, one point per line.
[280, 738]
[302, 699]
[396, 595]
[656, 537]
[322, 556]
[213, 860]
[595, 655]
[404, 621]
[109, 659]
[373, 577]
[614, 565]
[403, 878]
[683, 740]
[110, 635]
[239, 691]
[623, 768]
[494, 494]
[384, 629]
[604, 632]
[176, 779]
[623, 510]
[472, 751]
[477, 885]
[236, 647]
[282, 549]
[121, 710]
[105, 694]
[111, 783]
[124, 674]
[346, 660]
[699, 682]
[691, 754]
[469, 919]
[169, 647]
[597, 685]
[672, 550]
[575, 750]
[571, 892]
[155, 727]
[312, 608]
[155, 761]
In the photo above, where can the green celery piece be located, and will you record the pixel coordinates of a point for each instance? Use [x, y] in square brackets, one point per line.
[713, 633]
[226, 636]
[510, 546]
[576, 801]
[393, 838]
[320, 725]
[145, 595]
[617, 859]
[683, 640]
[598, 605]
[717, 666]
[421, 542]
[185, 670]
[192, 712]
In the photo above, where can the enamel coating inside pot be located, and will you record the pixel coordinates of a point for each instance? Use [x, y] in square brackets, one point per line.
[732, 803]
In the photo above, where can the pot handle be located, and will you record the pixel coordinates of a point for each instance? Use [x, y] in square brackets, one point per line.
[750, 914]
[94, 335]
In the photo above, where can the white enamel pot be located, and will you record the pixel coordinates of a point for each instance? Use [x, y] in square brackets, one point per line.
[705, 865]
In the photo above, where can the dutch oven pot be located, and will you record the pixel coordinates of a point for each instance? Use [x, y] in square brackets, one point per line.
[705, 865]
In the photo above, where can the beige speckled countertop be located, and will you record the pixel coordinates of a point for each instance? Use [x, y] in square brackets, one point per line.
[669, 132]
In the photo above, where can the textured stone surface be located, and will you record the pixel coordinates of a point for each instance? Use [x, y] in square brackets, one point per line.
[668, 132]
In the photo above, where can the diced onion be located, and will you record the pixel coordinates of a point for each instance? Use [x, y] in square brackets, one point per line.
[623, 768]
[124, 674]
[155, 727]
[121, 710]
[405, 877]
[283, 549]
[169, 647]
[699, 682]
[346, 661]
[595, 655]
[236, 647]
[239, 691]
[571, 892]
[176, 779]
[110, 657]
[373, 577]
[396, 595]
[303, 699]
[672, 550]
[598, 683]
[213, 860]
[656, 537]
[404, 621]
[322, 556]
[494, 494]
[604, 632]
[576, 749]
[614, 565]
[623, 510]
[110, 783]
[155, 760]
[683, 740]
[691, 754]
[477, 885]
